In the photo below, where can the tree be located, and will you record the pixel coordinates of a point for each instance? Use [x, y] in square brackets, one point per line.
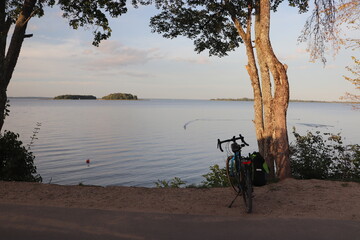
[356, 81]
[326, 27]
[220, 27]
[349, 15]
[19, 13]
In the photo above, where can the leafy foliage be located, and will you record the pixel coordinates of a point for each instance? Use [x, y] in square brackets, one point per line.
[216, 178]
[205, 22]
[324, 29]
[6, 110]
[79, 13]
[174, 183]
[16, 162]
[355, 81]
[210, 24]
[83, 13]
[323, 156]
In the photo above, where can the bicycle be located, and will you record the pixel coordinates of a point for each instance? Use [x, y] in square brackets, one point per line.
[238, 171]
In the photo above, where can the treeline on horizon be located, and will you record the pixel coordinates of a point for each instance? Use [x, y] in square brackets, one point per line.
[112, 96]
[120, 96]
[291, 100]
[75, 97]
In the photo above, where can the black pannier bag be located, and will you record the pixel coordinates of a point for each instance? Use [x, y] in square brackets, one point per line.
[260, 169]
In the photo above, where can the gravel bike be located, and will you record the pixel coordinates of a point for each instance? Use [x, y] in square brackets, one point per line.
[239, 170]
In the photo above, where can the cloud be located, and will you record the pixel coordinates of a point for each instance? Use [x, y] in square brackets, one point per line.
[112, 54]
[199, 60]
[49, 59]
[51, 49]
[299, 54]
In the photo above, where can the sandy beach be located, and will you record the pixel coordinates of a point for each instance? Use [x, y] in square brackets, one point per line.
[286, 199]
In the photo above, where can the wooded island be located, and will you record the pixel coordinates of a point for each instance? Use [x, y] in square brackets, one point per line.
[75, 97]
[112, 96]
[120, 96]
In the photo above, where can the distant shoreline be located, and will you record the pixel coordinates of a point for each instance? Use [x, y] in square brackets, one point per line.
[216, 99]
[291, 100]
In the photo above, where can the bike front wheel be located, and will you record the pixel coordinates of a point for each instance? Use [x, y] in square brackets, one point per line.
[233, 175]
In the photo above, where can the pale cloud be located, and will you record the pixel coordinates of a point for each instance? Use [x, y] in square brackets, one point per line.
[331, 66]
[51, 51]
[32, 27]
[112, 54]
[50, 59]
[302, 50]
[199, 60]
[88, 52]
[299, 54]
[302, 67]
[137, 74]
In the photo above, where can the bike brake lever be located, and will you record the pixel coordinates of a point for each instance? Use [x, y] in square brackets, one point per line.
[242, 139]
[219, 145]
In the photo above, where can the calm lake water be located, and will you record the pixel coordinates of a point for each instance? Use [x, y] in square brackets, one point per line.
[135, 143]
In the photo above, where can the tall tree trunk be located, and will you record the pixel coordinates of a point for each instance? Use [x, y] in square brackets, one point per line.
[275, 99]
[270, 104]
[8, 61]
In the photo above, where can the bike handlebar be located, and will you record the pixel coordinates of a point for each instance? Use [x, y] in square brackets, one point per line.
[233, 139]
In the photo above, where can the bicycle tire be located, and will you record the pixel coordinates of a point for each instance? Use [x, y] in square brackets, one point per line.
[247, 187]
[233, 178]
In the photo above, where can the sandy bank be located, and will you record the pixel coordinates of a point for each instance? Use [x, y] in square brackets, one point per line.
[287, 199]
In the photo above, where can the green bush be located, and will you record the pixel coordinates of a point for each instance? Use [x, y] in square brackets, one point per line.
[216, 178]
[323, 156]
[16, 162]
[174, 183]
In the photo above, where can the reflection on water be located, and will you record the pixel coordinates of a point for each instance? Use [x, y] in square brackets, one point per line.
[195, 120]
[135, 143]
[314, 125]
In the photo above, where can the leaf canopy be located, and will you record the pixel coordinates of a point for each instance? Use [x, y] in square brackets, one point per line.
[209, 23]
[80, 13]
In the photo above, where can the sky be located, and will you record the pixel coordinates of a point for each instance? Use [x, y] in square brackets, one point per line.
[58, 60]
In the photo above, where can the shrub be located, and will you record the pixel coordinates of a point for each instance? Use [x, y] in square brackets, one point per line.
[174, 183]
[216, 178]
[323, 156]
[16, 162]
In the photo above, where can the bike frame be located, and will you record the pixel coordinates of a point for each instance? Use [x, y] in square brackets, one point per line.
[243, 170]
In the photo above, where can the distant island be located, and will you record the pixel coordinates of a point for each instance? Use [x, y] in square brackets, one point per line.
[75, 97]
[120, 96]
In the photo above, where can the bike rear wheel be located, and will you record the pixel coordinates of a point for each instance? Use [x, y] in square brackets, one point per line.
[247, 191]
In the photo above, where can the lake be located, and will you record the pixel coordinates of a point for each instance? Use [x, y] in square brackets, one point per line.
[136, 143]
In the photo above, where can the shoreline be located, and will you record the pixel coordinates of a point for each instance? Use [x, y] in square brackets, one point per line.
[287, 199]
[214, 99]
